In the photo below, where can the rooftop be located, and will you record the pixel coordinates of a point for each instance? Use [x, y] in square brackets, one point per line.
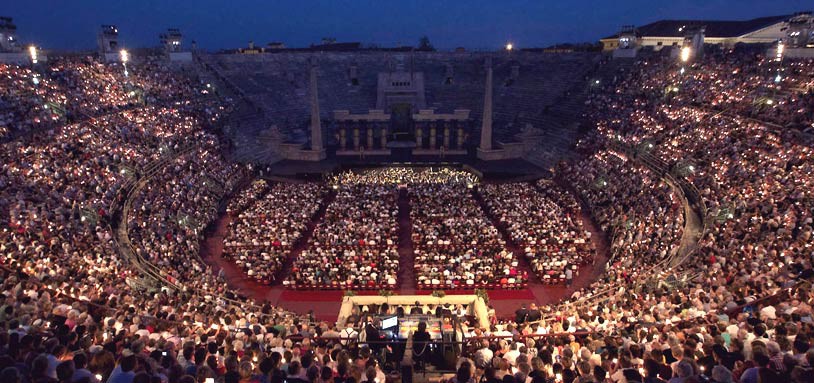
[714, 28]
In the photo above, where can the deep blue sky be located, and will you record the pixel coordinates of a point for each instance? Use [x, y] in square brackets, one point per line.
[474, 24]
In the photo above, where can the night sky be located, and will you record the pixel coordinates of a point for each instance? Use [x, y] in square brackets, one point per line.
[474, 24]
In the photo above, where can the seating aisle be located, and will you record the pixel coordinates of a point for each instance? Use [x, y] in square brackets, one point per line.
[406, 280]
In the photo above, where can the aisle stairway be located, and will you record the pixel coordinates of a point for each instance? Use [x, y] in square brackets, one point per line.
[302, 243]
[406, 278]
[522, 262]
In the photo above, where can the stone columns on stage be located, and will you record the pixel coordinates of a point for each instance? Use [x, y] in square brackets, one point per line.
[446, 135]
[362, 129]
[433, 136]
[384, 136]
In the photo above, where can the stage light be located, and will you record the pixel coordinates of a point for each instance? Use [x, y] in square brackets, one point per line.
[685, 54]
[32, 51]
[509, 46]
[124, 55]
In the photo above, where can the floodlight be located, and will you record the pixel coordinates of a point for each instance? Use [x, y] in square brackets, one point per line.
[685, 54]
[32, 51]
[780, 49]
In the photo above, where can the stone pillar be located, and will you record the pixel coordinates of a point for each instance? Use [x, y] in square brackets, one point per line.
[418, 134]
[446, 134]
[486, 125]
[355, 138]
[343, 137]
[384, 137]
[433, 135]
[460, 137]
[370, 137]
[316, 126]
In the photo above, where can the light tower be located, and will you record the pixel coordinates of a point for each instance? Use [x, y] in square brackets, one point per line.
[8, 36]
[171, 40]
[800, 31]
[108, 43]
[628, 45]
[173, 47]
[694, 39]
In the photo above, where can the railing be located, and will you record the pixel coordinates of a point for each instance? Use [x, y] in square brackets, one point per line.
[128, 250]
[660, 168]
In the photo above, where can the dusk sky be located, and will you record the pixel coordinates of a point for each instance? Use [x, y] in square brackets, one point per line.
[473, 24]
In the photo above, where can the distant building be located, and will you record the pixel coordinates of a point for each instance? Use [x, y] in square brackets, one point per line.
[251, 49]
[667, 33]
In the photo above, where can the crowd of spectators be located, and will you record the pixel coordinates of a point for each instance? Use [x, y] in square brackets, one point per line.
[68, 295]
[545, 221]
[641, 213]
[261, 237]
[740, 309]
[354, 246]
[456, 245]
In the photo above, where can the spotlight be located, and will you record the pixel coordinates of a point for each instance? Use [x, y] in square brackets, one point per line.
[509, 46]
[124, 55]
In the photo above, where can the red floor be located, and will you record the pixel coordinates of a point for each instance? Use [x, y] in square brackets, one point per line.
[325, 304]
